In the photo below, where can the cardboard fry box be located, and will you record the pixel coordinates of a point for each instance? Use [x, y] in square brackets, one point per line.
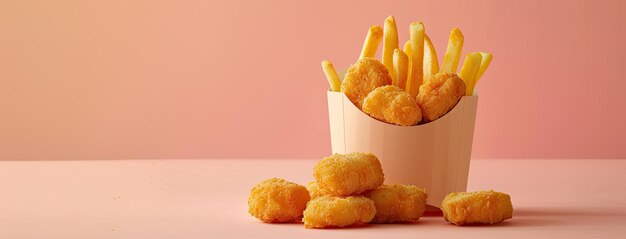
[434, 156]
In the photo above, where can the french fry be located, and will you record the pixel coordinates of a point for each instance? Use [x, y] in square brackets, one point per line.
[416, 76]
[484, 64]
[390, 43]
[407, 48]
[431, 64]
[470, 69]
[372, 40]
[453, 52]
[331, 75]
[400, 67]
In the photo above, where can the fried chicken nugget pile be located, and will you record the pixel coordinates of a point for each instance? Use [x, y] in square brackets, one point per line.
[362, 78]
[439, 95]
[348, 174]
[486, 207]
[398, 203]
[330, 211]
[340, 179]
[276, 200]
[393, 105]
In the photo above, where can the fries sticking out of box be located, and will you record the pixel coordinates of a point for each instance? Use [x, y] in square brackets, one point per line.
[453, 52]
[410, 69]
[331, 75]
[431, 64]
[416, 75]
[372, 40]
[469, 71]
[390, 43]
[484, 63]
[400, 68]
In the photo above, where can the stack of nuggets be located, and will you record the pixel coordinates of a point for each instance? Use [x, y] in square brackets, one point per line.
[348, 190]
[340, 181]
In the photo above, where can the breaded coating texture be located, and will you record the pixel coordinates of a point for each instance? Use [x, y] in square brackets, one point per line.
[362, 78]
[314, 190]
[392, 105]
[277, 200]
[398, 203]
[348, 174]
[486, 207]
[439, 95]
[330, 211]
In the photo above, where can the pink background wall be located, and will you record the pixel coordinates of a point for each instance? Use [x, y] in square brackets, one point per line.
[195, 79]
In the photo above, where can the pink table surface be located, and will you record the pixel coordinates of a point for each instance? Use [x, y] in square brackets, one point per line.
[208, 199]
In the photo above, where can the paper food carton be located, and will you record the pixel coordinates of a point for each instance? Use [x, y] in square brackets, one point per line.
[434, 156]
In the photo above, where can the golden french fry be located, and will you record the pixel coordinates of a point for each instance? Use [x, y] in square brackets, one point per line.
[400, 67]
[484, 63]
[453, 52]
[431, 63]
[416, 76]
[331, 75]
[372, 40]
[407, 48]
[470, 69]
[390, 43]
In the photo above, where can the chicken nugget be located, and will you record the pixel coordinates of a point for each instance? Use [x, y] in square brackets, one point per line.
[398, 203]
[277, 200]
[329, 211]
[363, 77]
[392, 105]
[314, 190]
[348, 174]
[487, 207]
[439, 95]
